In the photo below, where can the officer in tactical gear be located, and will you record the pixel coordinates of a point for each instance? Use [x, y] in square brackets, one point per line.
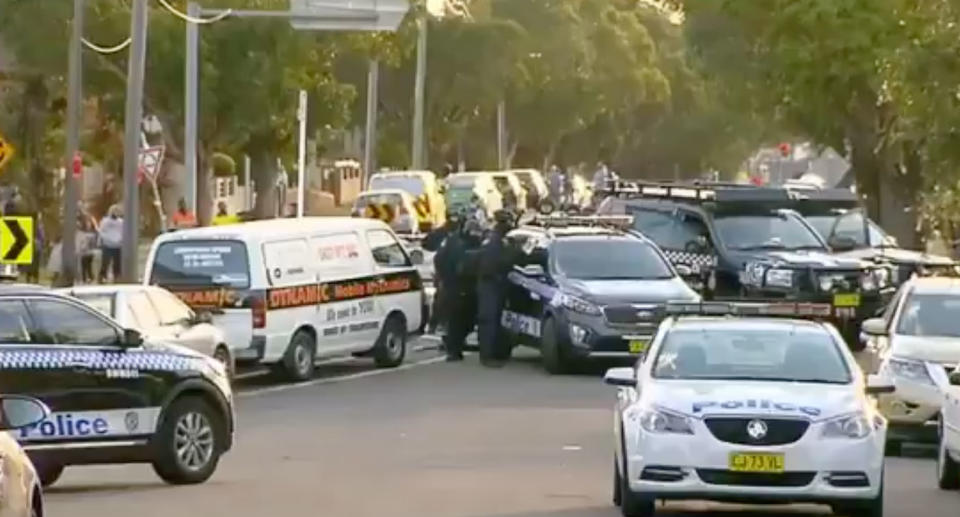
[495, 260]
[458, 266]
[433, 242]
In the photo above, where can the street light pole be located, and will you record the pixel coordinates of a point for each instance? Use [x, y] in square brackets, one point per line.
[192, 92]
[301, 154]
[417, 154]
[74, 109]
[370, 141]
[131, 140]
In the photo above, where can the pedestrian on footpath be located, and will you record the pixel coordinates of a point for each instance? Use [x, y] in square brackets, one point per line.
[111, 241]
[496, 259]
[86, 247]
[183, 218]
[223, 216]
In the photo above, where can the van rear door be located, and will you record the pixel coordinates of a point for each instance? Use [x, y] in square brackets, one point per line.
[214, 275]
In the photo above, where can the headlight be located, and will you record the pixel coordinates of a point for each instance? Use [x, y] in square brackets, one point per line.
[907, 369]
[868, 282]
[579, 305]
[780, 278]
[849, 426]
[664, 422]
[875, 279]
[825, 282]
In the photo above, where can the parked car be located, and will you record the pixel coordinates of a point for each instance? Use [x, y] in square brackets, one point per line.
[511, 190]
[534, 184]
[462, 187]
[948, 458]
[423, 187]
[158, 314]
[393, 206]
[918, 342]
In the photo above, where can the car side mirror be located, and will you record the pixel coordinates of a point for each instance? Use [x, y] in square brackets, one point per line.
[18, 411]
[877, 385]
[955, 378]
[842, 243]
[416, 257]
[874, 327]
[132, 338]
[202, 317]
[621, 377]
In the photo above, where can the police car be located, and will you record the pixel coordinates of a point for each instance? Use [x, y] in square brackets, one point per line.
[749, 243]
[114, 397]
[750, 410]
[592, 291]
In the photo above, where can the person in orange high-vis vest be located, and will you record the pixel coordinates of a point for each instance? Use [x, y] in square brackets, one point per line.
[183, 218]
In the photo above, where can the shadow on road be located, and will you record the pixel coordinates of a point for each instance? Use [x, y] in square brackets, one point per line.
[680, 510]
[107, 488]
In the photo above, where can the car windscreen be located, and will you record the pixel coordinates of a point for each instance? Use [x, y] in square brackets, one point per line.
[733, 352]
[772, 230]
[410, 184]
[102, 302]
[846, 226]
[609, 259]
[930, 315]
[199, 263]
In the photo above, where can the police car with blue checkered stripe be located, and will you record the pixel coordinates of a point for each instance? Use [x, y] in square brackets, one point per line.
[748, 403]
[114, 398]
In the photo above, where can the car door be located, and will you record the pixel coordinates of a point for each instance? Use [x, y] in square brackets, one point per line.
[951, 415]
[75, 361]
[179, 322]
[529, 290]
[398, 286]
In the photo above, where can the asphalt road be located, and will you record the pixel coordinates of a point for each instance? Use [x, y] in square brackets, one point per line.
[430, 439]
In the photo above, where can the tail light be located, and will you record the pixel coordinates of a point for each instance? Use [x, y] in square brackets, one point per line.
[258, 306]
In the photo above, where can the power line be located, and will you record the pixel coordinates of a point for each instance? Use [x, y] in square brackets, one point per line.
[106, 50]
[191, 19]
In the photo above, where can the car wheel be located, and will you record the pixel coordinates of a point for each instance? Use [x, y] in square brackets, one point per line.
[948, 470]
[298, 362]
[48, 473]
[189, 442]
[633, 504]
[222, 354]
[391, 346]
[554, 359]
[893, 447]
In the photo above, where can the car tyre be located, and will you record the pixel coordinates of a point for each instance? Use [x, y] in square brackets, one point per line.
[391, 346]
[554, 359]
[948, 470]
[189, 442]
[48, 473]
[298, 362]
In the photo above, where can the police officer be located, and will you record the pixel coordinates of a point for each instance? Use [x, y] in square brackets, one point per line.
[458, 267]
[495, 260]
[433, 242]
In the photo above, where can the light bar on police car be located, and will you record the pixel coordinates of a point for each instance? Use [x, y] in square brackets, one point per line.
[615, 221]
[784, 309]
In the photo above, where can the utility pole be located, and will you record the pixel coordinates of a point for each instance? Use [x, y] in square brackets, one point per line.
[502, 135]
[192, 93]
[370, 141]
[302, 154]
[74, 110]
[131, 140]
[417, 154]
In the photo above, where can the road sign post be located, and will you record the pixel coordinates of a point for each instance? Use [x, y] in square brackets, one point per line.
[131, 141]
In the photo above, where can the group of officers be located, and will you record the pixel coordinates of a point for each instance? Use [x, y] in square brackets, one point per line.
[471, 266]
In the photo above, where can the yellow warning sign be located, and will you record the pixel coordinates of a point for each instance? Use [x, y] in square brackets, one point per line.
[384, 212]
[423, 209]
[16, 240]
[6, 152]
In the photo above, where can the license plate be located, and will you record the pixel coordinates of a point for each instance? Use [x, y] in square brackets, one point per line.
[846, 300]
[756, 462]
[637, 346]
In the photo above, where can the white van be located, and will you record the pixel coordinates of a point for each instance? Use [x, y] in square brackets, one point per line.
[287, 292]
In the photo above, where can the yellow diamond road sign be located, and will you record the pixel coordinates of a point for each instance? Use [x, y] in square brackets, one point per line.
[6, 152]
[16, 240]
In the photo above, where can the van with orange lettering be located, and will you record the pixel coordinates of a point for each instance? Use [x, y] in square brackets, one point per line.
[289, 292]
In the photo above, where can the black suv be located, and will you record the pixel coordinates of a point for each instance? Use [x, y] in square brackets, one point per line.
[594, 290]
[749, 243]
[114, 398]
[839, 218]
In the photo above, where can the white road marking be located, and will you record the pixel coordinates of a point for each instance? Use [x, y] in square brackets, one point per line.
[339, 378]
[572, 448]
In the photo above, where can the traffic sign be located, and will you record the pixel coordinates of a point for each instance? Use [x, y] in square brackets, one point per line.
[348, 15]
[16, 240]
[6, 152]
[150, 160]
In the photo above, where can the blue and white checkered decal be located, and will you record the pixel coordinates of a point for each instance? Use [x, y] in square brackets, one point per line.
[46, 359]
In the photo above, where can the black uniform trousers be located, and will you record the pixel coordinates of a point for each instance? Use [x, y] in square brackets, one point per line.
[461, 314]
[490, 300]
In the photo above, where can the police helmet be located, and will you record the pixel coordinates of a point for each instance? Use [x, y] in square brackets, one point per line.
[473, 228]
[503, 217]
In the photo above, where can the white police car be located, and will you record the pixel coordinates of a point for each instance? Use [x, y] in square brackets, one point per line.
[748, 410]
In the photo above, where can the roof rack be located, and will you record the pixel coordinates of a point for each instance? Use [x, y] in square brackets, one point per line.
[702, 192]
[746, 309]
[620, 222]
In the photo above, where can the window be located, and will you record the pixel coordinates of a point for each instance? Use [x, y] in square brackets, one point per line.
[930, 315]
[201, 264]
[143, 311]
[669, 231]
[62, 323]
[335, 255]
[386, 250]
[14, 323]
[171, 310]
[778, 231]
[609, 259]
[105, 303]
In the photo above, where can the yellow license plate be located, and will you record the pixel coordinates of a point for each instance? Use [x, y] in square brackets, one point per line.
[638, 346]
[756, 462]
[846, 300]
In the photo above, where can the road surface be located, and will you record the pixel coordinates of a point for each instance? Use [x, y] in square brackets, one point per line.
[433, 439]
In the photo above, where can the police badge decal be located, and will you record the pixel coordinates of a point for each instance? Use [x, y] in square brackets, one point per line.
[132, 421]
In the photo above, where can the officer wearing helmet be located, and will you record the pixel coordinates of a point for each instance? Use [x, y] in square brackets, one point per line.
[458, 266]
[434, 242]
[495, 260]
